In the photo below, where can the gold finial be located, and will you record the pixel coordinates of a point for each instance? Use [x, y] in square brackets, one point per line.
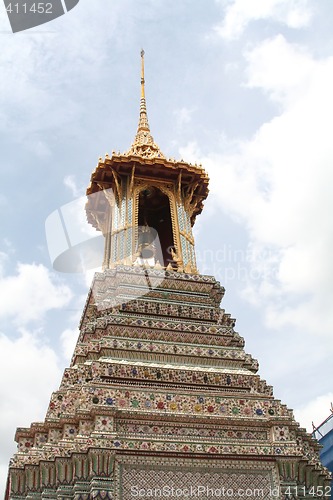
[143, 144]
[143, 122]
[142, 74]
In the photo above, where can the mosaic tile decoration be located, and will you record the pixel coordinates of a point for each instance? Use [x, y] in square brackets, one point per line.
[196, 482]
[156, 378]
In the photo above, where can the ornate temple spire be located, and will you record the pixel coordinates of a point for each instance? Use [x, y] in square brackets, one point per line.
[143, 120]
[144, 144]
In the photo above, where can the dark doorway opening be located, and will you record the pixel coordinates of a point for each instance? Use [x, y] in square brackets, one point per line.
[154, 212]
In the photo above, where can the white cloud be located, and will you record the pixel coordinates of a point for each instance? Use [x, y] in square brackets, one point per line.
[293, 13]
[279, 184]
[30, 293]
[78, 55]
[183, 116]
[315, 411]
[68, 341]
[191, 152]
[73, 244]
[71, 184]
[282, 70]
[89, 275]
[3, 260]
[25, 364]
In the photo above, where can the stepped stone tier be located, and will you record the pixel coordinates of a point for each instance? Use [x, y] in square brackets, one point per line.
[160, 399]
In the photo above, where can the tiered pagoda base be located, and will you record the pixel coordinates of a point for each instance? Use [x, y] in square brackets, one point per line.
[161, 400]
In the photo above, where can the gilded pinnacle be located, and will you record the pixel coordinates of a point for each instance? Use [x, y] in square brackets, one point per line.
[143, 144]
[142, 74]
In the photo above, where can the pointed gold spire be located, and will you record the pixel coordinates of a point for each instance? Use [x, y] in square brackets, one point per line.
[143, 144]
[143, 121]
[142, 74]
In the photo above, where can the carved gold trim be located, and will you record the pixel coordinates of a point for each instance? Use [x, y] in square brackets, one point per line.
[122, 228]
[131, 185]
[189, 204]
[118, 187]
[179, 188]
[187, 236]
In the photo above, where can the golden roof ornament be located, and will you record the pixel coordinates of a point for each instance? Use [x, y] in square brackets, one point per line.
[144, 144]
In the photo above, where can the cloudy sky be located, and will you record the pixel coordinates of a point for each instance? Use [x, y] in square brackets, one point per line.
[245, 88]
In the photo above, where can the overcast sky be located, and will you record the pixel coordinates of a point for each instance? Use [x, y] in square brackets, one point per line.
[245, 88]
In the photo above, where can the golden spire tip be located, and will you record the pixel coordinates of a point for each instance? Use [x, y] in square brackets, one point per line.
[143, 144]
[142, 74]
